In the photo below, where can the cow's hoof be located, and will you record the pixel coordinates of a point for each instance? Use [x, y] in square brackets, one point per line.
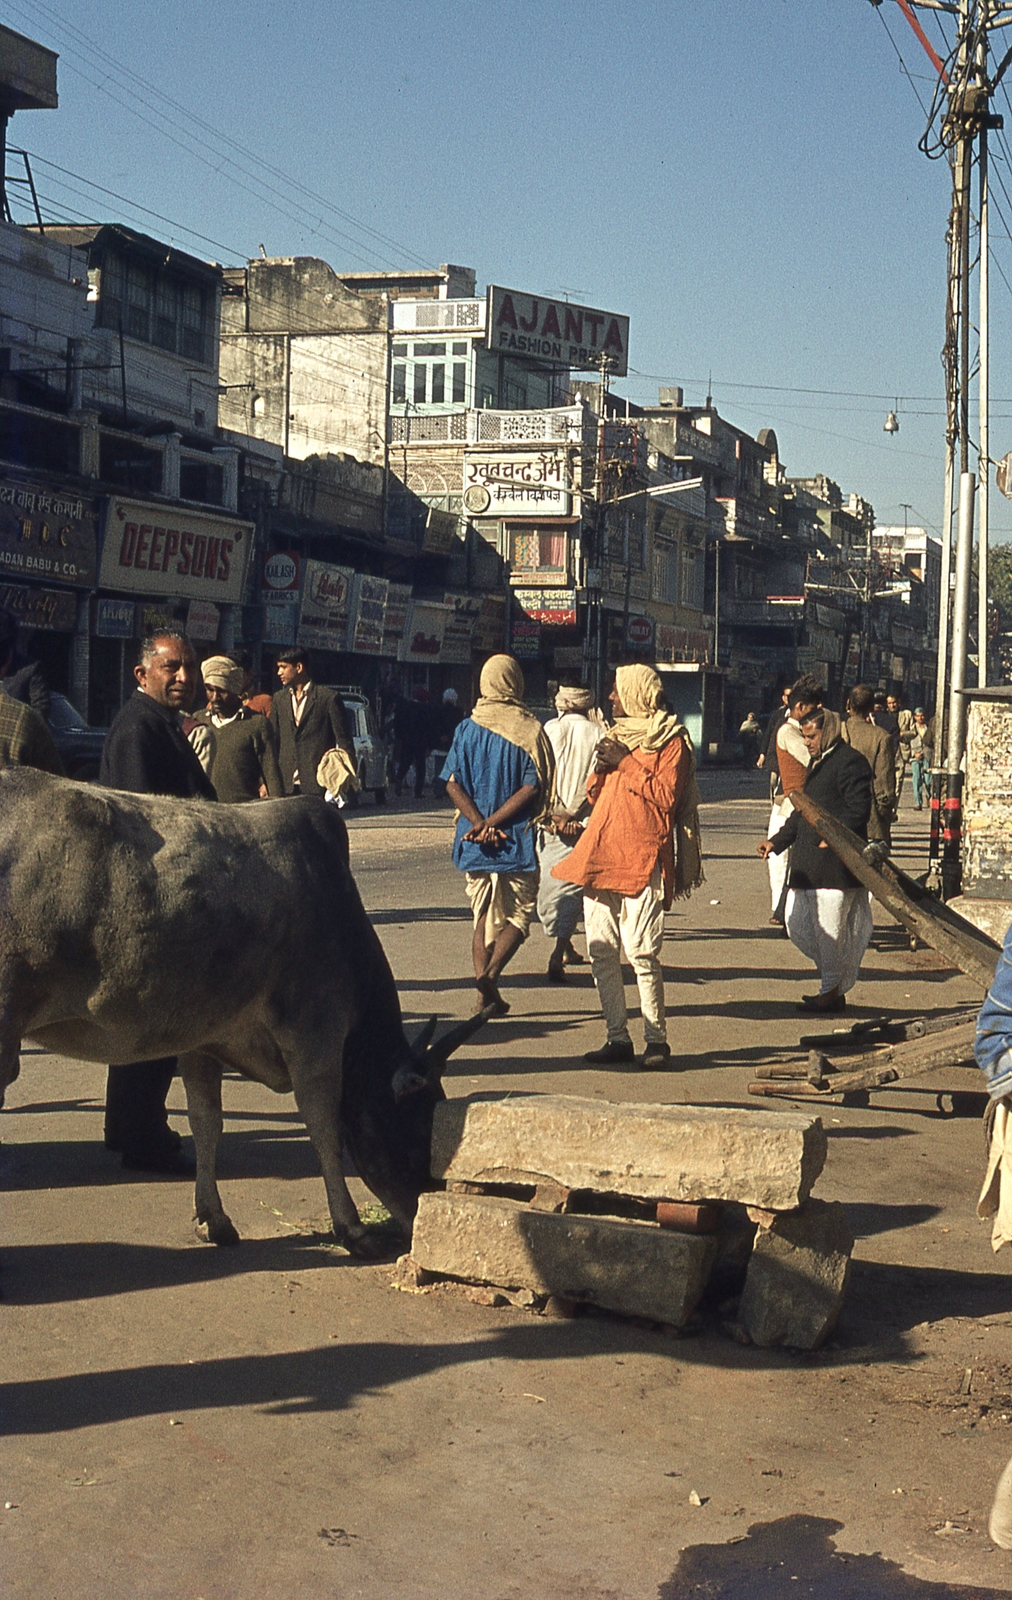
[369, 1245]
[215, 1230]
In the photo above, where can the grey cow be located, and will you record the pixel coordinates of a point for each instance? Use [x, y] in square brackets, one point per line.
[134, 927]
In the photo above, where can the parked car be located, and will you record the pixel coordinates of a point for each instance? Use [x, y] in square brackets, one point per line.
[370, 752]
[79, 744]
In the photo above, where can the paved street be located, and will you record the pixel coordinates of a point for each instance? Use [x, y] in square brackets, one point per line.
[278, 1420]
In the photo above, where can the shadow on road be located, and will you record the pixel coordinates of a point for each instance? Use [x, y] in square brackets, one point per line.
[797, 1556]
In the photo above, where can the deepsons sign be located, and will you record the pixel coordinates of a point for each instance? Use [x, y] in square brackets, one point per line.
[534, 328]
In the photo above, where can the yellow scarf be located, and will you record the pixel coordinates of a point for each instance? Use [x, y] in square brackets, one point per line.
[501, 710]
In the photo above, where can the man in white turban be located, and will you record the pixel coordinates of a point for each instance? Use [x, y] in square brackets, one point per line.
[244, 764]
[574, 735]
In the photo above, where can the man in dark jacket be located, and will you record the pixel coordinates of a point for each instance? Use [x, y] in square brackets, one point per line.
[147, 752]
[20, 679]
[828, 912]
[309, 720]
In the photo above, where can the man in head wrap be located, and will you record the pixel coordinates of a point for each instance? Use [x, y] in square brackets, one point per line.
[244, 765]
[500, 776]
[644, 799]
[828, 912]
[574, 736]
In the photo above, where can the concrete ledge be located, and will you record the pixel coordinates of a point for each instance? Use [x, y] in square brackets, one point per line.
[759, 1158]
[631, 1267]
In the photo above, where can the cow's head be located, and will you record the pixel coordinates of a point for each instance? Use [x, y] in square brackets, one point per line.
[390, 1131]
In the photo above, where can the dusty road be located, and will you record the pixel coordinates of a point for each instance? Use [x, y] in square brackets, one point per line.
[277, 1421]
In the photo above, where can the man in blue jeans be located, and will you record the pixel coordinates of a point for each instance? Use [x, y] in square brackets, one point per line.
[500, 776]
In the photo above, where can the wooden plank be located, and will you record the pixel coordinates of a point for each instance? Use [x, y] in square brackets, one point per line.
[957, 940]
[891, 1064]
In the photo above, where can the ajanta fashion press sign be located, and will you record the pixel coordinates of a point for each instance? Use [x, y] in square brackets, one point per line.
[166, 550]
[46, 534]
[535, 328]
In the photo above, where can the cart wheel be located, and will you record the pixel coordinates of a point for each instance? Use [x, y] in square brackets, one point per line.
[859, 1098]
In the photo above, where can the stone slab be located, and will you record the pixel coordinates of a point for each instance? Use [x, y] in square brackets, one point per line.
[654, 1152]
[631, 1267]
[992, 917]
[797, 1277]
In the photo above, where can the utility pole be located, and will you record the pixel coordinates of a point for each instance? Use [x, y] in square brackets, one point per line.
[964, 81]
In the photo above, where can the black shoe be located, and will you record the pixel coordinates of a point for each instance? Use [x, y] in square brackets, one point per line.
[656, 1055]
[160, 1158]
[817, 1002]
[610, 1054]
[556, 973]
[166, 1135]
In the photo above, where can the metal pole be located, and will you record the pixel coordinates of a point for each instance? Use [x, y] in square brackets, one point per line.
[983, 462]
[952, 830]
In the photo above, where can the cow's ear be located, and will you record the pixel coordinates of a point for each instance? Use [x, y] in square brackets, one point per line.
[438, 1054]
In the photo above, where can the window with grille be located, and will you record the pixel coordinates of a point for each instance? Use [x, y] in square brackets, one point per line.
[156, 307]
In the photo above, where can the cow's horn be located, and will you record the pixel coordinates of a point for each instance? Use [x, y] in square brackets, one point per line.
[424, 1039]
[439, 1053]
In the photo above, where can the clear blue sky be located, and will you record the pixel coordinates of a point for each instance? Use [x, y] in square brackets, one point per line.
[742, 179]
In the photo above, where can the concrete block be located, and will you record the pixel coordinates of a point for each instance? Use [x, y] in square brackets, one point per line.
[632, 1267]
[992, 917]
[797, 1277]
[654, 1152]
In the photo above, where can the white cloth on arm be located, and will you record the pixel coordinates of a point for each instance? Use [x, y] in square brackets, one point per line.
[633, 923]
[831, 927]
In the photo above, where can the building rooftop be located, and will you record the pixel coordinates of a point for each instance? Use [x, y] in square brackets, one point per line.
[27, 74]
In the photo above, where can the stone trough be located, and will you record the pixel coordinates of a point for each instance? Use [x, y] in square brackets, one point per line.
[631, 1208]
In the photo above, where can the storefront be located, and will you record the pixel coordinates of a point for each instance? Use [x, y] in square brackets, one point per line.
[48, 547]
[163, 565]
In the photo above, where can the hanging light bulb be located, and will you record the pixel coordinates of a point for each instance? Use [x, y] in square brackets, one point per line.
[891, 423]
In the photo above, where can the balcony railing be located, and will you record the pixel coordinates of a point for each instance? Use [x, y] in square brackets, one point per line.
[558, 425]
[786, 613]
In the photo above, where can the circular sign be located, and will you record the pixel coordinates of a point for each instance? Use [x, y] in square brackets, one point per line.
[281, 571]
[477, 499]
[639, 630]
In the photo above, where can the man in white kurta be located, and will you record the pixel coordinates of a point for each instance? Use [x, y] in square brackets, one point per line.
[574, 736]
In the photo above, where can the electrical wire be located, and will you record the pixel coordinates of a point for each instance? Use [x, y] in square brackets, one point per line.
[283, 203]
[903, 66]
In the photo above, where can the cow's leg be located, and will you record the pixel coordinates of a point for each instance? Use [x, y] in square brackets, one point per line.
[316, 1098]
[10, 1052]
[202, 1081]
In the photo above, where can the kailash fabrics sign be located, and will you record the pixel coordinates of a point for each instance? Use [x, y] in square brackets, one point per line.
[516, 485]
[279, 579]
[326, 602]
[46, 534]
[535, 328]
[166, 550]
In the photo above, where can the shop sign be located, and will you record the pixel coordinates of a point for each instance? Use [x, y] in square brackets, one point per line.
[465, 609]
[368, 615]
[423, 631]
[441, 528]
[155, 618]
[553, 608]
[525, 639]
[202, 619]
[517, 485]
[279, 579]
[52, 609]
[326, 599]
[114, 619]
[279, 625]
[46, 534]
[167, 550]
[639, 632]
[395, 617]
[491, 624]
[535, 328]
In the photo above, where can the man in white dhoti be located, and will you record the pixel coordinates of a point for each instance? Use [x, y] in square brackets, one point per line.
[574, 736]
[828, 912]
